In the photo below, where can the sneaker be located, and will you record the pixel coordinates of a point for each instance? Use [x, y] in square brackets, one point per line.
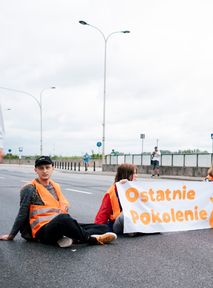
[64, 242]
[105, 238]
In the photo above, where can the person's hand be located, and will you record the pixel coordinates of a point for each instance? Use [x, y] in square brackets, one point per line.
[123, 181]
[6, 237]
[64, 208]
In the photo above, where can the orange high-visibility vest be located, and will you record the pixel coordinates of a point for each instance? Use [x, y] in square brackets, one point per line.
[209, 178]
[114, 202]
[42, 214]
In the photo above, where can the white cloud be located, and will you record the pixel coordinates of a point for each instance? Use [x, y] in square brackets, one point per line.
[159, 77]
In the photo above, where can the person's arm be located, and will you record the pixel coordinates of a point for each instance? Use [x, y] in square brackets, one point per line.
[23, 213]
[104, 212]
[6, 237]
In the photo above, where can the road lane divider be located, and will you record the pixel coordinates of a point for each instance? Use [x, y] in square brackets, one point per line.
[79, 191]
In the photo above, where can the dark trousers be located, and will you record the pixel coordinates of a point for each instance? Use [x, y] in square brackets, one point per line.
[65, 225]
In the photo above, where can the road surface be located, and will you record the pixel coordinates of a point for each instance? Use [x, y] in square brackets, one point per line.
[180, 259]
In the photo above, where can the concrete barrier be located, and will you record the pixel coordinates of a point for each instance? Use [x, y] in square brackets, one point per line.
[165, 170]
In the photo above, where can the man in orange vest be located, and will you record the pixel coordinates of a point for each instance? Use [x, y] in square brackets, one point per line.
[43, 214]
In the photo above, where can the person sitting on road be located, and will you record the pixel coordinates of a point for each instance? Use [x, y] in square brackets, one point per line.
[43, 214]
[209, 177]
[110, 211]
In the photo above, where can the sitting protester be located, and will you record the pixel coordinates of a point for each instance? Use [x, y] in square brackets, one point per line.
[209, 177]
[43, 214]
[110, 211]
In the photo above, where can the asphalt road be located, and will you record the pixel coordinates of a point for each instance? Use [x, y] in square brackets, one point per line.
[180, 259]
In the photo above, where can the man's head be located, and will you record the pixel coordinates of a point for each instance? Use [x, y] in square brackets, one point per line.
[44, 168]
[43, 160]
[156, 148]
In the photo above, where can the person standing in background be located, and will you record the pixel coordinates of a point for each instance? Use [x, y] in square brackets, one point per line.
[155, 161]
[1, 134]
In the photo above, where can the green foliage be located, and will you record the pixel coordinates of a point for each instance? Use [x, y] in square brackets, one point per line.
[191, 151]
[10, 156]
[96, 156]
[55, 157]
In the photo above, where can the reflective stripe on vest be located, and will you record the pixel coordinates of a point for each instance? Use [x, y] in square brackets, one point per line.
[42, 214]
[41, 219]
[44, 210]
[114, 202]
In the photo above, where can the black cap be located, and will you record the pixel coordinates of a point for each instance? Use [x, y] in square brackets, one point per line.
[42, 160]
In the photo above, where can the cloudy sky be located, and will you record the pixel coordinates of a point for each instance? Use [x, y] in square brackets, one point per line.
[159, 77]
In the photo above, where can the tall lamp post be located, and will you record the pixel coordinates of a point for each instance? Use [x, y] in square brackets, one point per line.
[142, 136]
[2, 132]
[212, 143]
[41, 118]
[39, 102]
[106, 38]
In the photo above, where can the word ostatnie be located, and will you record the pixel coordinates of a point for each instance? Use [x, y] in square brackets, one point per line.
[132, 194]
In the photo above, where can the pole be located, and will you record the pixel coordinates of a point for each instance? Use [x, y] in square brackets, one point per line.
[104, 92]
[104, 104]
[41, 118]
[2, 132]
[142, 136]
[39, 102]
[41, 126]
[212, 145]
[142, 153]
[142, 147]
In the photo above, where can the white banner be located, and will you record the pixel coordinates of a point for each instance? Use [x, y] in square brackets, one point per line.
[163, 206]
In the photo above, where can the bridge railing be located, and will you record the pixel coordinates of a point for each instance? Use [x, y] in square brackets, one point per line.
[172, 160]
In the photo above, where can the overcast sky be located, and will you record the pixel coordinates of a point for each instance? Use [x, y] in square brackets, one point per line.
[159, 77]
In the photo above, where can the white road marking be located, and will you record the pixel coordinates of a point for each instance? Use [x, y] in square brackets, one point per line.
[2, 177]
[26, 181]
[79, 191]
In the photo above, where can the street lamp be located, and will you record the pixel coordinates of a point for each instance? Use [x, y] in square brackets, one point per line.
[39, 102]
[104, 97]
[2, 132]
[142, 136]
[41, 119]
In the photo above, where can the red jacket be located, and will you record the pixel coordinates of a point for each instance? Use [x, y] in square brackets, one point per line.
[110, 207]
[209, 178]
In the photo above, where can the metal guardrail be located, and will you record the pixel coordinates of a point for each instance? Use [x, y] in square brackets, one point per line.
[74, 166]
[171, 160]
